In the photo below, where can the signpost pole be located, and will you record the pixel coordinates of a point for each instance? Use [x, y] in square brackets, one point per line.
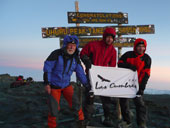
[80, 93]
[77, 10]
[119, 55]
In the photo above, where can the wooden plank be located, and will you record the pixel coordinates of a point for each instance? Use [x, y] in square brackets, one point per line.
[97, 17]
[53, 32]
[119, 42]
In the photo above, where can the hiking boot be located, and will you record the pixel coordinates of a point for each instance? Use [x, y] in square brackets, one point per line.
[81, 124]
[124, 124]
[142, 126]
[108, 122]
[87, 122]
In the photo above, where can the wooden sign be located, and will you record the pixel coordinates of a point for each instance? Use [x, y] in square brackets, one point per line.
[119, 42]
[53, 32]
[93, 17]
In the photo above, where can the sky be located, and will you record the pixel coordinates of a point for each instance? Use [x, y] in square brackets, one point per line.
[23, 50]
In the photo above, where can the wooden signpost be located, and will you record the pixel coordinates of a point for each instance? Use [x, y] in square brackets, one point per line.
[87, 34]
[119, 42]
[52, 32]
[92, 17]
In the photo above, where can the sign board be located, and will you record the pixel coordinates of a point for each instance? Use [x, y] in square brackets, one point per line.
[53, 32]
[93, 17]
[119, 42]
[113, 82]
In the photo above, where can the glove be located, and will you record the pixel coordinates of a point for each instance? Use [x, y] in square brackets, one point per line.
[88, 87]
[86, 61]
[91, 94]
[88, 90]
[133, 68]
[140, 92]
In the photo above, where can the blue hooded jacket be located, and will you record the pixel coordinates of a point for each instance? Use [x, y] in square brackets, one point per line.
[59, 66]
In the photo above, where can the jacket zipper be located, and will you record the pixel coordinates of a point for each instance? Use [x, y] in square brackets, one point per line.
[104, 54]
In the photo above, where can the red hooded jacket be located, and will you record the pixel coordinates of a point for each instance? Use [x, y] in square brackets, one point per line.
[141, 62]
[99, 52]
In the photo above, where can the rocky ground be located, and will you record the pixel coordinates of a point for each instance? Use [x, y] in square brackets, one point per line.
[26, 107]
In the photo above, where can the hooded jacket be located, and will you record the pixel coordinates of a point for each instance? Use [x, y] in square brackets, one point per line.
[142, 63]
[59, 66]
[99, 52]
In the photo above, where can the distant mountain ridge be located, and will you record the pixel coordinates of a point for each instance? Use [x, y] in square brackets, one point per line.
[156, 91]
[7, 78]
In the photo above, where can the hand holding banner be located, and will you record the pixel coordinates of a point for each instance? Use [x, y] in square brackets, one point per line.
[113, 82]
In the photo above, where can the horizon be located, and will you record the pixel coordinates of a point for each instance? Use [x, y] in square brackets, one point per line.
[37, 75]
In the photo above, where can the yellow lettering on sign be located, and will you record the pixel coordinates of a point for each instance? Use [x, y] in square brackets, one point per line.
[53, 32]
[108, 20]
[90, 30]
[61, 31]
[97, 31]
[58, 32]
[117, 44]
[144, 30]
[73, 31]
[47, 32]
[50, 32]
[81, 31]
[74, 20]
[87, 20]
[127, 30]
[102, 20]
[99, 15]
[94, 20]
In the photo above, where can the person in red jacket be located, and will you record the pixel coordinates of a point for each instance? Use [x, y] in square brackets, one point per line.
[140, 61]
[100, 53]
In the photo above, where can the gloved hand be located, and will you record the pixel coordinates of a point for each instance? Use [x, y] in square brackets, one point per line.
[140, 92]
[89, 91]
[86, 61]
[133, 68]
[88, 87]
[91, 94]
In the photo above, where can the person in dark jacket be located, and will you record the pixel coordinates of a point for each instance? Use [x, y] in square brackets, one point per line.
[140, 61]
[58, 69]
[100, 53]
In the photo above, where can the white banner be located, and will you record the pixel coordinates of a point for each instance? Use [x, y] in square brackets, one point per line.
[113, 82]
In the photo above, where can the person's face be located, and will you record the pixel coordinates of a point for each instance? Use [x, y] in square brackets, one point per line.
[71, 48]
[109, 40]
[140, 49]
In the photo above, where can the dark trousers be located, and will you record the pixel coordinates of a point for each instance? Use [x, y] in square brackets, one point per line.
[141, 113]
[89, 108]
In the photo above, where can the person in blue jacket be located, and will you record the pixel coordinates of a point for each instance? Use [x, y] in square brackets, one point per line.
[58, 69]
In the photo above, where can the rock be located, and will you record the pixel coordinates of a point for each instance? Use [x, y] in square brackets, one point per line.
[1, 122]
[26, 107]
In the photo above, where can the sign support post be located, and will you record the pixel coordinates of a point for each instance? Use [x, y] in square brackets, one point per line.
[118, 101]
[80, 93]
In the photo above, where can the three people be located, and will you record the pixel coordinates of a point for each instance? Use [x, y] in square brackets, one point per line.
[61, 63]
